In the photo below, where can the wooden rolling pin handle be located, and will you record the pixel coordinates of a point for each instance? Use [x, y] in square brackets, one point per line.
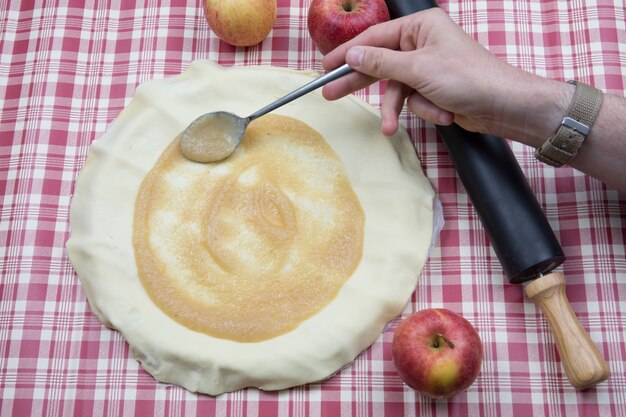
[582, 361]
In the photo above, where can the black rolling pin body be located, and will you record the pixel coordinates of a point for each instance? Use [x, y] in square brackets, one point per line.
[509, 212]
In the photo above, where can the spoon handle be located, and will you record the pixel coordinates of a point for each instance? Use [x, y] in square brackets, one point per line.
[307, 88]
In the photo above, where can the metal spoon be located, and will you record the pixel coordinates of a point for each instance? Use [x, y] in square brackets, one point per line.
[215, 136]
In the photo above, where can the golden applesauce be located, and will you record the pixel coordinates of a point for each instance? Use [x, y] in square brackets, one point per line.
[248, 248]
[212, 137]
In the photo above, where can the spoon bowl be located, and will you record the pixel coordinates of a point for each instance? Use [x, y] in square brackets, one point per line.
[213, 136]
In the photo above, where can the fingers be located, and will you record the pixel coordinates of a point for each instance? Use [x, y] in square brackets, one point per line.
[346, 85]
[392, 105]
[383, 35]
[425, 109]
[393, 102]
[393, 51]
[385, 63]
[371, 64]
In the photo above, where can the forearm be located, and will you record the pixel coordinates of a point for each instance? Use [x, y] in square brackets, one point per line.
[531, 109]
[603, 155]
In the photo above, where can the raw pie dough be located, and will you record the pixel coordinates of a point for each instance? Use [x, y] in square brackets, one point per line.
[392, 195]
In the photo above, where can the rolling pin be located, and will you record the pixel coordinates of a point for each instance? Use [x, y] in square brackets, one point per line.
[519, 232]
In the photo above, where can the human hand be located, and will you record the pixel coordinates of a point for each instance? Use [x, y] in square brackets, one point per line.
[443, 74]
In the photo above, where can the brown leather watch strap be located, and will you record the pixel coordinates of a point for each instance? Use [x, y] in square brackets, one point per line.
[560, 148]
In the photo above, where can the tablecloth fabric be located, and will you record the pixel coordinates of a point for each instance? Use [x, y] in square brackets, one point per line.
[68, 67]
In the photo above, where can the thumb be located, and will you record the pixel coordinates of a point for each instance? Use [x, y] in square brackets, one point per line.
[380, 63]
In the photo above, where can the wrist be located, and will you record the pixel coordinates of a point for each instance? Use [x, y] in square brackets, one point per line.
[532, 108]
[563, 146]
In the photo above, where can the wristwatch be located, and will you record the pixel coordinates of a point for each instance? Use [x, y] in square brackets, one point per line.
[561, 147]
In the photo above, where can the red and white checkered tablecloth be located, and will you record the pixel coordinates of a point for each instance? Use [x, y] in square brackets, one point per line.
[68, 67]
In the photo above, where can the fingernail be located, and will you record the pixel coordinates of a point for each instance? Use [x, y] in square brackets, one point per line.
[354, 57]
[444, 118]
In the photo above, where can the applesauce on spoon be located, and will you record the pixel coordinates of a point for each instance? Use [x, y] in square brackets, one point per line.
[212, 137]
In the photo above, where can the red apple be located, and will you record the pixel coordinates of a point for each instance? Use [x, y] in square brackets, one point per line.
[333, 22]
[240, 22]
[437, 352]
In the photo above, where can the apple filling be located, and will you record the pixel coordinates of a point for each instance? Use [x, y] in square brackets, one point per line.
[248, 248]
